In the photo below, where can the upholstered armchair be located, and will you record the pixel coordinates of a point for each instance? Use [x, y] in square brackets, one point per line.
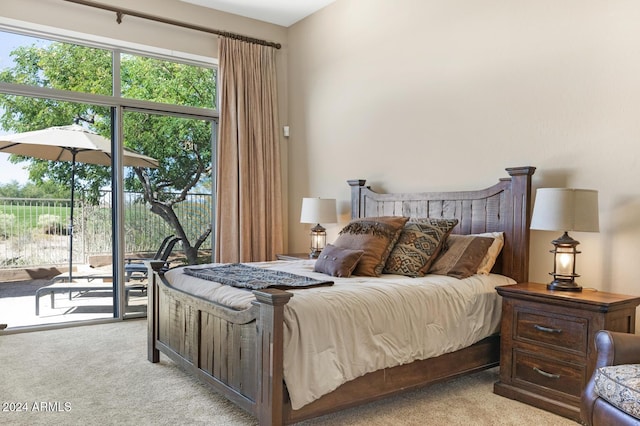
[612, 395]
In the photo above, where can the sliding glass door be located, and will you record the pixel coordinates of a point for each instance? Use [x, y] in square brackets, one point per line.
[167, 209]
[154, 118]
[55, 259]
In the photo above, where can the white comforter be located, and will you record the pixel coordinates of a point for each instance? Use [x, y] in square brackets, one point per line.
[359, 325]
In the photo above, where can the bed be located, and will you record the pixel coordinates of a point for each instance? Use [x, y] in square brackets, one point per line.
[242, 352]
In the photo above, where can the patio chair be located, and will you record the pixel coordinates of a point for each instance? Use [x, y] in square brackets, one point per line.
[134, 268]
[159, 252]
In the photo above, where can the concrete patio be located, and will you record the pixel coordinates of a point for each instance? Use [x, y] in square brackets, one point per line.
[17, 304]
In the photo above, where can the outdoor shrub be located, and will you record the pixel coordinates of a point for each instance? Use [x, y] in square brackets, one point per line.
[6, 223]
[50, 224]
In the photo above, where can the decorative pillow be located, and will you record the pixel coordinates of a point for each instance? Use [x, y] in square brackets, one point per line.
[618, 384]
[462, 256]
[337, 262]
[418, 245]
[375, 236]
[492, 254]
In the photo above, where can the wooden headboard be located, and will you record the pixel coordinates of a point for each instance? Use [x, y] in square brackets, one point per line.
[504, 207]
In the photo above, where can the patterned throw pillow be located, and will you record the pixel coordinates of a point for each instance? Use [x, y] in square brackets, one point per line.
[418, 245]
[337, 262]
[373, 235]
[462, 256]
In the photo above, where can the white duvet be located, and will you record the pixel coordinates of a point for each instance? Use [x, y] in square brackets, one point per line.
[362, 324]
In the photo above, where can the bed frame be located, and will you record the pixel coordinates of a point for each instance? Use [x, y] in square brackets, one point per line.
[240, 353]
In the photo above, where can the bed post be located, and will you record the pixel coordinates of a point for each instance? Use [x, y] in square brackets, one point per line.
[270, 345]
[518, 265]
[357, 210]
[154, 267]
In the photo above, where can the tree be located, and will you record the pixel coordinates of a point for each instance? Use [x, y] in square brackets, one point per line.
[182, 146]
[47, 189]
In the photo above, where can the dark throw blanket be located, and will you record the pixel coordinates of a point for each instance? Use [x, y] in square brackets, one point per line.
[253, 278]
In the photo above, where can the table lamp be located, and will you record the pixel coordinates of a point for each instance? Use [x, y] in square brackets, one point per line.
[565, 209]
[318, 210]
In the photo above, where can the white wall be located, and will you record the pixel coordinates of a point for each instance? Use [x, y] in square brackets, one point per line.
[418, 95]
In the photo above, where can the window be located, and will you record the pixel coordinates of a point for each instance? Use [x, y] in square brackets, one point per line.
[164, 81]
[29, 57]
[164, 108]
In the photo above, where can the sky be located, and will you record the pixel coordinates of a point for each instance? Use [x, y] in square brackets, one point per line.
[9, 171]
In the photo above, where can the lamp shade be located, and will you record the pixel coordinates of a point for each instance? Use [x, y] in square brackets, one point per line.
[318, 210]
[565, 209]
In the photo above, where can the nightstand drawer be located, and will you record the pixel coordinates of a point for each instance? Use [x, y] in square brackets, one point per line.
[559, 331]
[549, 373]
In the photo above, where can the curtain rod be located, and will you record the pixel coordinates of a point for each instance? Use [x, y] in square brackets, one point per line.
[121, 12]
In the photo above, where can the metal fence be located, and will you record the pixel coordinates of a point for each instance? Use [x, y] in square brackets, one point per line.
[34, 231]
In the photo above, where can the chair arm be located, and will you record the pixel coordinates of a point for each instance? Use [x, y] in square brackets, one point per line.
[615, 348]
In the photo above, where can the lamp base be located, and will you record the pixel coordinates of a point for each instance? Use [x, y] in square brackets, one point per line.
[314, 254]
[564, 286]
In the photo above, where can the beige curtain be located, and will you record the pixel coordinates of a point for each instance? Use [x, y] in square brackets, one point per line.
[249, 196]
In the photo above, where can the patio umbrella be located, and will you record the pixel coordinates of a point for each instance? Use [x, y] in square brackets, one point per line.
[69, 143]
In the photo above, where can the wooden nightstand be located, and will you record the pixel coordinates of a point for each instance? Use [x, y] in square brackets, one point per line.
[292, 256]
[547, 350]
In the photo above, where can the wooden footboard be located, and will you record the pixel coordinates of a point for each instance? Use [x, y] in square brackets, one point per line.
[239, 354]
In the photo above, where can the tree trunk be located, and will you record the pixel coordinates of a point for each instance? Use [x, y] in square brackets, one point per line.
[168, 215]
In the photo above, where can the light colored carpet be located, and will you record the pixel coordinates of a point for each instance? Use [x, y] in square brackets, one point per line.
[99, 375]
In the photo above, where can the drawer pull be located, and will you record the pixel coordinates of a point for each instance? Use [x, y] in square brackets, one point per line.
[547, 329]
[545, 374]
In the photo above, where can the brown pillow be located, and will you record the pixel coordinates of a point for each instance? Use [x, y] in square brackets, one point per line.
[490, 258]
[418, 245]
[462, 256]
[337, 262]
[375, 236]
